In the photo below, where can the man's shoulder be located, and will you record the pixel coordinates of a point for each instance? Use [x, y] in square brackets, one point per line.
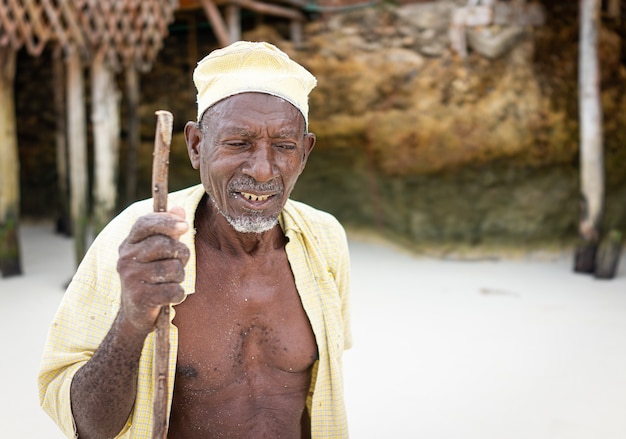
[308, 219]
[306, 213]
[189, 194]
[177, 198]
[122, 223]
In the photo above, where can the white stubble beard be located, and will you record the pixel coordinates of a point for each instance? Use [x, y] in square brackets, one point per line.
[248, 224]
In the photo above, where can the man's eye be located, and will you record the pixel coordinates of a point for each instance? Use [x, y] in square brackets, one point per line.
[286, 145]
[236, 144]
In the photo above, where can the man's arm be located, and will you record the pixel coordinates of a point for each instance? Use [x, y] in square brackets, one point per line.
[103, 391]
[151, 267]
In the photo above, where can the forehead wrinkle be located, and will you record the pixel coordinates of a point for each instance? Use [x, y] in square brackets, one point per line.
[217, 111]
[285, 133]
[240, 132]
[279, 133]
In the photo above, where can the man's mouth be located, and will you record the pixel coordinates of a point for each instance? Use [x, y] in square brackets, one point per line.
[252, 197]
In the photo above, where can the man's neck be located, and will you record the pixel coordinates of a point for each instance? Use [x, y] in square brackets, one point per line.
[214, 230]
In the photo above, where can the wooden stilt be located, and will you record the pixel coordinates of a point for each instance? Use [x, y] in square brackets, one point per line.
[614, 9]
[591, 149]
[217, 22]
[233, 18]
[63, 225]
[106, 131]
[608, 255]
[296, 30]
[10, 263]
[77, 142]
[134, 136]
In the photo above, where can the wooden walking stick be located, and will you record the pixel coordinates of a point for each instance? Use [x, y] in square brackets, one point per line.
[160, 165]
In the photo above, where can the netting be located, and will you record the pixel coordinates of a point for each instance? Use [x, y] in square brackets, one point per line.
[126, 32]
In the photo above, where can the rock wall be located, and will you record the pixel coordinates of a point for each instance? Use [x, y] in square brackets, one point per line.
[428, 146]
[413, 140]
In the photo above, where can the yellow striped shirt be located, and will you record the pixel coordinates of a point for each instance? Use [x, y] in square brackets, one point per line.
[318, 254]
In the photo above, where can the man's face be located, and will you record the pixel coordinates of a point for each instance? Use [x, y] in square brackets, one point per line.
[250, 151]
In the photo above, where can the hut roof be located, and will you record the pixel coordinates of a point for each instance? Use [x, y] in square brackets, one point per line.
[124, 31]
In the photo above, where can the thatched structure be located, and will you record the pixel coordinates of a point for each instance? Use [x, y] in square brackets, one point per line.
[108, 36]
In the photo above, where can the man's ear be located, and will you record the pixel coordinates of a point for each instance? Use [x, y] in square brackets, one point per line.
[309, 143]
[193, 137]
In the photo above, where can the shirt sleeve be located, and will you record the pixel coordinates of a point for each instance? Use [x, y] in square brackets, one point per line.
[341, 273]
[82, 320]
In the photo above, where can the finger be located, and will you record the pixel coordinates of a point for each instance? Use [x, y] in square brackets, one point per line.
[135, 275]
[164, 271]
[162, 294]
[158, 247]
[133, 271]
[177, 211]
[158, 223]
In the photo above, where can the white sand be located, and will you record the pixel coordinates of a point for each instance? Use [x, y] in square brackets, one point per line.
[512, 349]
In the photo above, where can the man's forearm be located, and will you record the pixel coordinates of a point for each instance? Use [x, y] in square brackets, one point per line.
[103, 391]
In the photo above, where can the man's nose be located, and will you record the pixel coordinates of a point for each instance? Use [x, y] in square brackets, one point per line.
[260, 166]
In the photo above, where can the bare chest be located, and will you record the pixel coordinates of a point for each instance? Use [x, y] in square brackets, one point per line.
[245, 348]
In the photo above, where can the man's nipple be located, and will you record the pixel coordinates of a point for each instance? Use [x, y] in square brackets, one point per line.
[187, 371]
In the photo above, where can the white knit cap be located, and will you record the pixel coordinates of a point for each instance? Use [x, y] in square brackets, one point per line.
[252, 67]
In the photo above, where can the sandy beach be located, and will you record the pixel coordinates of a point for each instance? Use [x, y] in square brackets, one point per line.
[518, 348]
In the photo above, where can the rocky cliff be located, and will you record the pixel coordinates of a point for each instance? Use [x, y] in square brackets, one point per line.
[419, 142]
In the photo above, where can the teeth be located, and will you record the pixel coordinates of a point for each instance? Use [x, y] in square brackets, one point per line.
[252, 197]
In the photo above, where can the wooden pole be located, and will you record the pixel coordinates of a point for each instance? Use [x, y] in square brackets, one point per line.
[270, 9]
[58, 80]
[160, 166]
[10, 263]
[106, 130]
[217, 22]
[614, 9]
[591, 149]
[233, 18]
[134, 137]
[77, 143]
[296, 30]
[609, 253]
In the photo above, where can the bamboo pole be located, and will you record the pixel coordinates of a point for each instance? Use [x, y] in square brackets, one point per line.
[10, 263]
[160, 165]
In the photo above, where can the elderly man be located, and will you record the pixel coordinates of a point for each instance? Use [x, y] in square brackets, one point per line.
[260, 312]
